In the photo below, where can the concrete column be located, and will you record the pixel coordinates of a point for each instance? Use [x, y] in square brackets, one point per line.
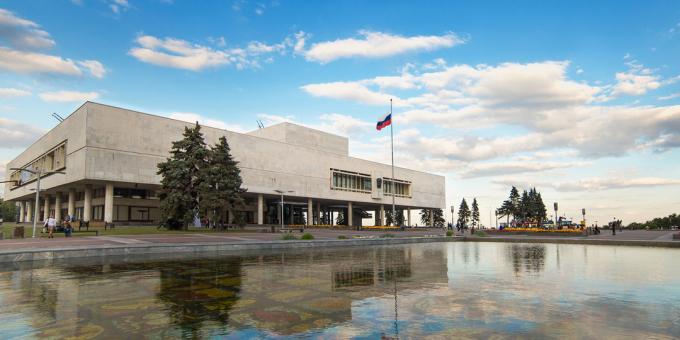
[22, 212]
[260, 209]
[382, 214]
[431, 217]
[87, 207]
[350, 214]
[408, 217]
[108, 203]
[57, 207]
[71, 202]
[230, 216]
[310, 211]
[28, 211]
[318, 213]
[46, 212]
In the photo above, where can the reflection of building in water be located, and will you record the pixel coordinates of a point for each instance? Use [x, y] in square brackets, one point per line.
[282, 294]
[528, 258]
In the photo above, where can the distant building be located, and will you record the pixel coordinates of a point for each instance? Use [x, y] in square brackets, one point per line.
[110, 156]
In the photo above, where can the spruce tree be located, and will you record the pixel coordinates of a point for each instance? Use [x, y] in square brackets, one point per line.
[221, 187]
[515, 200]
[463, 214]
[182, 178]
[475, 213]
[438, 218]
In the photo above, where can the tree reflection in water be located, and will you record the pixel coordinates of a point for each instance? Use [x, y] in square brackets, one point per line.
[527, 257]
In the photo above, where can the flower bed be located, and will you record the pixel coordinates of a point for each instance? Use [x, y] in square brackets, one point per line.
[536, 232]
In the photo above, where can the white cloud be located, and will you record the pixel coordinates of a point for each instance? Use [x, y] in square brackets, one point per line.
[117, 6]
[181, 54]
[28, 62]
[595, 184]
[195, 117]
[378, 45]
[22, 33]
[352, 91]
[15, 134]
[670, 96]
[637, 81]
[95, 68]
[514, 167]
[68, 96]
[9, 92]
[343, 125]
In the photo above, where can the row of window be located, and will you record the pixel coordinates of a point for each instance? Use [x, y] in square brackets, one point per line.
[401, 188]
[52, 160]
[358, 182]
[350, 181]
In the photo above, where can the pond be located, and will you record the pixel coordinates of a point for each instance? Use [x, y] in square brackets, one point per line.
[437, 290]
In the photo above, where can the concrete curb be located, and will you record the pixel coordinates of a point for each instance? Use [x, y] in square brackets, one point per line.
[639, 243]
[222, 248]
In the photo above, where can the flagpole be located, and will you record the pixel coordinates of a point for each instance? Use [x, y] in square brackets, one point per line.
[394, 189]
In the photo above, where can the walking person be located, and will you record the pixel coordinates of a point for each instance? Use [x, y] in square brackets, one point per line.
[51, 224]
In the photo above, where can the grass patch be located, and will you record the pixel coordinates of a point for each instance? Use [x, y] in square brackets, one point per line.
[449, 233]
[481, 233]
[307, 236]
[342, 237]
[288, 237]
[387, 236]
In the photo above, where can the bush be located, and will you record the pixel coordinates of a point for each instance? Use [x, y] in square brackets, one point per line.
[480, 233]
[387, 236]
[342, 237]
[307, 236]
[449, 233]
[289, 237]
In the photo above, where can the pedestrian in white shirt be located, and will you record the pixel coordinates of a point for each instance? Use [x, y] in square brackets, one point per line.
[51, 225]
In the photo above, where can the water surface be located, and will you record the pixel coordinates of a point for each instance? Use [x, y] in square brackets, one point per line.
[437, 290]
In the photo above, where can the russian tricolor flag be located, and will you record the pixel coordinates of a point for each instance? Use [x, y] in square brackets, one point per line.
[385, 122]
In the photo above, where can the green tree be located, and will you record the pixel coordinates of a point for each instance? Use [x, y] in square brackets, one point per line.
[399, 217]
[8, 211]
[438, 218]
[475, 213]
[340, 220]
[220, 189]
[515, 200]
[506, 209]
[182, 179]
[463, 214]
[425, 217]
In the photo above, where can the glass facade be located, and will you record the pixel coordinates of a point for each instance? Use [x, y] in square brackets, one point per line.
[350, 181]
[402, 188]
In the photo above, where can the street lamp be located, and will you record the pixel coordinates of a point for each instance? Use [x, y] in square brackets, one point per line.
[282, 192]
[38, 174]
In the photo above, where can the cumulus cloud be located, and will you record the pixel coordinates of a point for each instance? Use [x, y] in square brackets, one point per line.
[637, 81]
[8, 92]
[181, 54]
[371, 44]
[514, 167]
[352, 91]
[21, 35]
[195, 117]
[14, 134]
[117, 6]
[594, 184]
[68, 96]
[545, 108]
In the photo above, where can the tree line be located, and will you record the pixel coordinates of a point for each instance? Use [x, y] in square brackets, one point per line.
[525, 208]
[657, 223]
[198, 180]
[467, 215]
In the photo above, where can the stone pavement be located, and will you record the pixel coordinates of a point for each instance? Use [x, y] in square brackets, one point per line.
[104, 240]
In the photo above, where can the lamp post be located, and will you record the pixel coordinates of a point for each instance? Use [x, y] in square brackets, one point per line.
[38, 174]
[282, 192]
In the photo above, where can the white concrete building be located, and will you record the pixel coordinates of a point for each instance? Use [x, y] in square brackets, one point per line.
[109, 156]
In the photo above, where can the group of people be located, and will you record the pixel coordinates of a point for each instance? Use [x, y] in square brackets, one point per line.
[51, 225]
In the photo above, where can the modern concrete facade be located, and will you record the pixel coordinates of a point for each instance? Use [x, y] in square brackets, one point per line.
[109, 156]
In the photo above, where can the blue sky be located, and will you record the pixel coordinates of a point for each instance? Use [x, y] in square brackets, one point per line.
[579, 99]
